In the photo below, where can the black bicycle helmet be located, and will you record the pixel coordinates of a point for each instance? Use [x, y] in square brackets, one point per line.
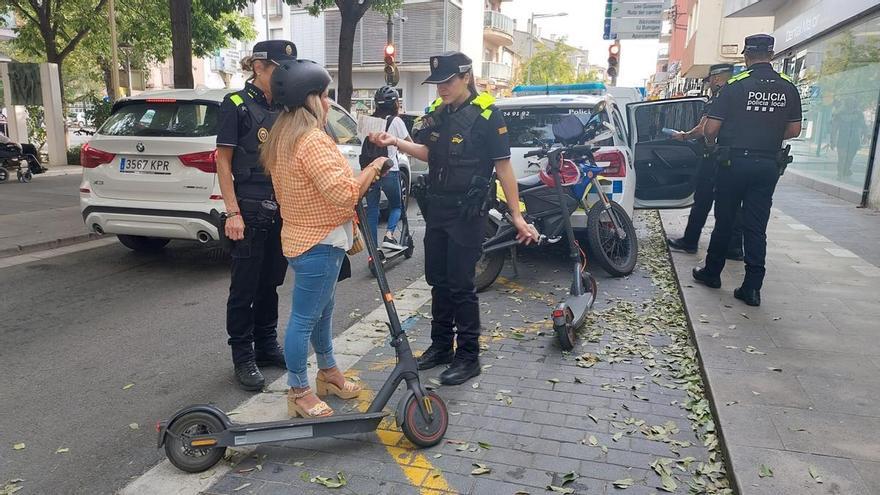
[294, 80]
[386, 96]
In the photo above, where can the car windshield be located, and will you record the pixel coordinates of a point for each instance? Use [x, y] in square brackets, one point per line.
[162, 119]
[530, 127]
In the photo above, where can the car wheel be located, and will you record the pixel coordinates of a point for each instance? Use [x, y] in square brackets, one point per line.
[143, 244]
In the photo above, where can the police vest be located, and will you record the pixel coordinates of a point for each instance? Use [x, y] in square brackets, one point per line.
[465, 159]
[250, 180]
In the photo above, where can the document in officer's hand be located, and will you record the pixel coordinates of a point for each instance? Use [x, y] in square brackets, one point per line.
[368, 125]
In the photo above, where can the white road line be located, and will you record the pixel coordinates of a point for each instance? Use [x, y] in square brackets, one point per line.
[349, 346]
[867, 271]
[798, 226]
[51, 253]
[841, 253]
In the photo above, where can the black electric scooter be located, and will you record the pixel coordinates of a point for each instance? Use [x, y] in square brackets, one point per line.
[196, 437]
[407, 243]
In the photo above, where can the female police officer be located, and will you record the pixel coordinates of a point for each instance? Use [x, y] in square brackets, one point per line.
[253, 222]
[462, 138]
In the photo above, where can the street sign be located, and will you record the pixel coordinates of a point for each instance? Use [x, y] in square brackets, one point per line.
[629, 36]
[652, 9]
[634, 25]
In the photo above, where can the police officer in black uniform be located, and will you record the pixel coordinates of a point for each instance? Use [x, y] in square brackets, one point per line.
[253, 221]
[754, 113]
[463, 137]
[704, 190]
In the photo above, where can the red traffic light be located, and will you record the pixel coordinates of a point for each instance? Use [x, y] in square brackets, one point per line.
[614, 49]
[389, 50]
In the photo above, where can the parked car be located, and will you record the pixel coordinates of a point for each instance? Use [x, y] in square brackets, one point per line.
[644, 168]
[149, 173]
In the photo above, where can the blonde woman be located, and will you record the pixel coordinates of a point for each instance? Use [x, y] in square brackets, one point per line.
[317, 193]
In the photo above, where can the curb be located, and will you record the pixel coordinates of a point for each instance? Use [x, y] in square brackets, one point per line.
[46, 245]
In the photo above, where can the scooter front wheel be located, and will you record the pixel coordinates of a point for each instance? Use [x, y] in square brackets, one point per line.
[419, 430]
[178, 450]
[564, 327]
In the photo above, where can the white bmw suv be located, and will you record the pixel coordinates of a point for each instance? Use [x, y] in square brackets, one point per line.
[149, 173]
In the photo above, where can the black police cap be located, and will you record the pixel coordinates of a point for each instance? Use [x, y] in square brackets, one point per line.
[447, 65]
[758, 43]
[716, 69]
[274, 50]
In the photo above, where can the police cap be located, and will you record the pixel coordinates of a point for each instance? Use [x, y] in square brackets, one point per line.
[446, 65]
[759, 43]
[716, 69]
[274, 50]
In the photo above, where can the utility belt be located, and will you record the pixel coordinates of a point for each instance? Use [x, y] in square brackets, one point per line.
[472, 203]
[782, 157]
[262, 214]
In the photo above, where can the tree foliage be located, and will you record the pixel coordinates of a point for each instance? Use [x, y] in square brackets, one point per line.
[552, 65]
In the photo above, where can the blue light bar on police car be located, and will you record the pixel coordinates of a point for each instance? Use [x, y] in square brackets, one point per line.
[591, 88]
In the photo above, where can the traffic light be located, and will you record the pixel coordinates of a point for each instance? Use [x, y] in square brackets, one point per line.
[392, 75]
[614, 61]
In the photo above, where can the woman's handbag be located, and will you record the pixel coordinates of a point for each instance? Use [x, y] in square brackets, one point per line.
[357, 244]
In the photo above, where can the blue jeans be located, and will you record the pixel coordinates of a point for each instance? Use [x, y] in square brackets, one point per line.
[390, 185]
[311, 316]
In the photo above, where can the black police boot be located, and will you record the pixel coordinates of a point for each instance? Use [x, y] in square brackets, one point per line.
[734, 254]
[273, 356]
[700, 275]
[680, 245]
[461, 371]
[752, 297]
[249, 376]
[434, 357]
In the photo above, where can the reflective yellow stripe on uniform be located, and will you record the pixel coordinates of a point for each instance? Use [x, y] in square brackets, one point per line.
[237, 99]
[785, 76]
[483, 100]
[435, 104]
[739, 77]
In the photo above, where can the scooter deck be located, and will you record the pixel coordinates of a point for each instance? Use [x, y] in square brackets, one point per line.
[294, 429]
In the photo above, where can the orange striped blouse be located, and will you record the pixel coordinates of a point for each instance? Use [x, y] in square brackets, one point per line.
[316, 191]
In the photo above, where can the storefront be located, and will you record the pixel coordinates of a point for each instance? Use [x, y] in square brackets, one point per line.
[832, 53]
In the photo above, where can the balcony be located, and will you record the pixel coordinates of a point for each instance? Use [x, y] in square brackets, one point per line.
[497, 28]
[497, 71]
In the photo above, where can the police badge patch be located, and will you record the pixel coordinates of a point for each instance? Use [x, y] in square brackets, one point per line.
[288, 49]
[262, 134]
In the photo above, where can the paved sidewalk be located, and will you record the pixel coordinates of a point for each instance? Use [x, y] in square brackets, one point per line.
[43, 214]
[624, 413]
[794, 382]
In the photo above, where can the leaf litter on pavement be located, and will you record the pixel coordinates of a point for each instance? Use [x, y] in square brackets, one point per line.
[654, 334]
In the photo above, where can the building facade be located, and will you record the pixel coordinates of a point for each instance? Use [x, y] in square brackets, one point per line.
[497, 71]
[831, 50]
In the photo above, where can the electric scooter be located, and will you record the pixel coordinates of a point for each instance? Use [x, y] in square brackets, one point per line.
[407, 243]
[196, 437]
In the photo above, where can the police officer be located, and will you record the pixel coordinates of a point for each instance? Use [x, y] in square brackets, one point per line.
[463, 137]
[253, 221]
[754, 113]
[704, 189]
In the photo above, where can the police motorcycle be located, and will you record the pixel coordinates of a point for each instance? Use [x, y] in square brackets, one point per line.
[196, 437]
[569, 172]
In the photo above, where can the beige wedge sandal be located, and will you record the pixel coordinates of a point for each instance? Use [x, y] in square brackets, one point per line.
[349, 390]
[294, 410]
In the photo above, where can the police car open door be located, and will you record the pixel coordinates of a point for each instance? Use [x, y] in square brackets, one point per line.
[665, 168]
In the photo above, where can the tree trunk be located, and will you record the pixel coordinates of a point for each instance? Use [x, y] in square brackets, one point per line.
[181, 42]
[346, 54]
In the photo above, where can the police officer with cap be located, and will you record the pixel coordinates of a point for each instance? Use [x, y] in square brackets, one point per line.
[463, 138]
[754, 113]
[704, 190]
[252, 218]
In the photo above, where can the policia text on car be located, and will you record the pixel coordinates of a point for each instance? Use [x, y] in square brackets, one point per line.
[752, 115]
[252, 221]
[462, 138]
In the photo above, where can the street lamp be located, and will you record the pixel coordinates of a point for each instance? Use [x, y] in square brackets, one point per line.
[532, 37]
[126, 49]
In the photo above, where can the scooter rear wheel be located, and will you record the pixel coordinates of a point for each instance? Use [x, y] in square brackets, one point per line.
[419, 431]
[185, 457]
[565, 333]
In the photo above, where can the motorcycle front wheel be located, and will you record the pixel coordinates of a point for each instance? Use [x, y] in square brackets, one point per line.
[616, 254]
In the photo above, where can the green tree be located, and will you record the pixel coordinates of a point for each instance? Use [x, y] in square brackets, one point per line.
[351, 11]
[549, 65]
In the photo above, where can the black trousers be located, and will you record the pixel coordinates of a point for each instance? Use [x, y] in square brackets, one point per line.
[748, 185]
[258, 268]
[704, 195]
[451, 257]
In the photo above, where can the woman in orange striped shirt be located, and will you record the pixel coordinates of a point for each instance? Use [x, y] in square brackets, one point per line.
[317, 193]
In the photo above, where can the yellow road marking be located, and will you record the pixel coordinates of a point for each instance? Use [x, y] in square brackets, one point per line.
[415, 466]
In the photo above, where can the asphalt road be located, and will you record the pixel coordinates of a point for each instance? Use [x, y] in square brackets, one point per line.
[77, 328]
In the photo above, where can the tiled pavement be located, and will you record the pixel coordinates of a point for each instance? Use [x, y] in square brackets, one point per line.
[534, 415]
[795, 380]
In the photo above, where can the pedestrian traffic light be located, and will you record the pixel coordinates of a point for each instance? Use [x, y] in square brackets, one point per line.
[392, 75]
[614, 61]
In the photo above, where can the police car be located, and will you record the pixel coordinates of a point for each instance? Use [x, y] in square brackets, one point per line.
[149, 172]
[644, 167]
